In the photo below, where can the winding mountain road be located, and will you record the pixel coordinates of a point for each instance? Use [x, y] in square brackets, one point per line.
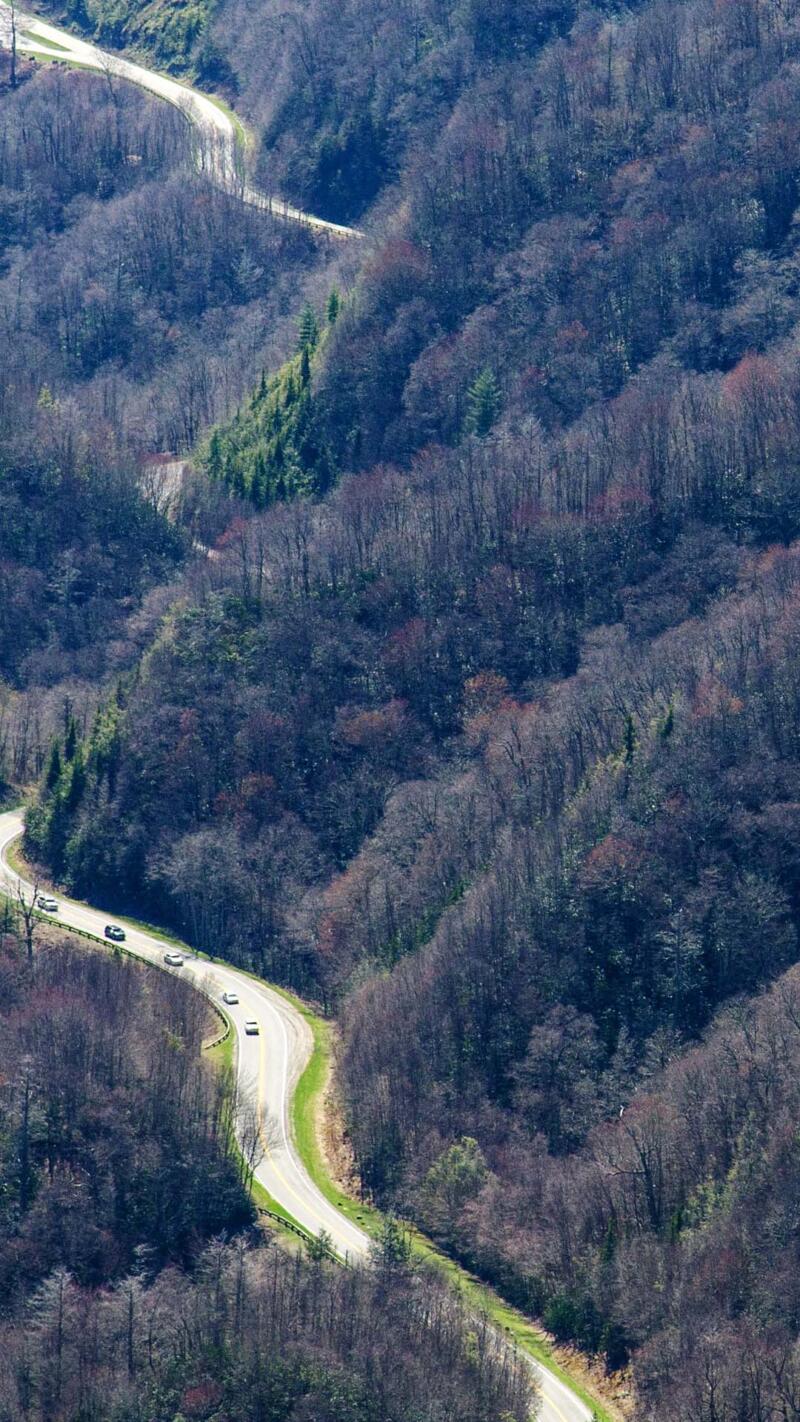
[219, 145]
[268, 1067]
[269, 1064]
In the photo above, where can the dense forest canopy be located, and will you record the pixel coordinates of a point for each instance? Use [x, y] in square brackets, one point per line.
[462, 693]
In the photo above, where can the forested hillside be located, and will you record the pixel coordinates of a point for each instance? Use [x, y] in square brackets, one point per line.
[253, 1333]
[136, 303]
[477, 724]
[126, 282]
[113, 1146]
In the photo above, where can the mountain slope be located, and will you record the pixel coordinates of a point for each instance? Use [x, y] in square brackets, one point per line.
[491, 747]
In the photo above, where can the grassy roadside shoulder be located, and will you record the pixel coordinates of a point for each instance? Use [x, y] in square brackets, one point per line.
[43, 50]
[305, 1107]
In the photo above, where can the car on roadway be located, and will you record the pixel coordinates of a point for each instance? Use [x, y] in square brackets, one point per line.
[230, 998]
[251, 1027]
[174, 960]
[114, 932]
[44, 901]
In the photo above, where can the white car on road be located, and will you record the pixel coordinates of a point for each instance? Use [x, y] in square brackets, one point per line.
[231, 999]
[44, 901]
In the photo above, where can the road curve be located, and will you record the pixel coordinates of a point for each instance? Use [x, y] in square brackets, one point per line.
[218, 147]
[267, 1067]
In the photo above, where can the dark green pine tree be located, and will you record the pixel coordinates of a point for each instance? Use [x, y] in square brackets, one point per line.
[237, 482]
[308, 328]
[483, 404]
[333, 308]
[52, 774]
[668, 724]
[259, 489]
[215, 462]
[305, 367]
[77, 783]
[71, 739]
[629, 747]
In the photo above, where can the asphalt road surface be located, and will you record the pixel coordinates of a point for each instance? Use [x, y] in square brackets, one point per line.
[218, 147]
[268, 1066]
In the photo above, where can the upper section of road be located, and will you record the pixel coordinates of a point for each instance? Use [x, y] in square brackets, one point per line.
[219, 148]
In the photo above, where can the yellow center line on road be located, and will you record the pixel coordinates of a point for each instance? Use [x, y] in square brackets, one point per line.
[261, 1097]
[550, 1403]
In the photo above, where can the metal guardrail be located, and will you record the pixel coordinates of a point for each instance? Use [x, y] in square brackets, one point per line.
[304, 1234]
[119, 949]
[225, 1020]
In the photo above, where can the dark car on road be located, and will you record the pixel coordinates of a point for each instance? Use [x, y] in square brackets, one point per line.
[114, 932]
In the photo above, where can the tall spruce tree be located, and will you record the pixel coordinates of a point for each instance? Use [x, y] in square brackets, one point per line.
[483, 403]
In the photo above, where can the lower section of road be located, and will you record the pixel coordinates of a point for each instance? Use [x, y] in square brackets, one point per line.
[273, 1046]
[269, 1059]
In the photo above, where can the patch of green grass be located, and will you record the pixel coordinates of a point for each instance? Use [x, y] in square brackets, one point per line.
[244, 136]
[64, 60]
[222, 1053]
[25, 38]
[140, 926]
[304, 1113]
[15, 858]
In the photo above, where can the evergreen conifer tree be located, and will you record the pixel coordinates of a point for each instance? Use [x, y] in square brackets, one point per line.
[483, 404]
[215, 456]
[53, 771]
[631, 739]
[308, 328]
[71, 739]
